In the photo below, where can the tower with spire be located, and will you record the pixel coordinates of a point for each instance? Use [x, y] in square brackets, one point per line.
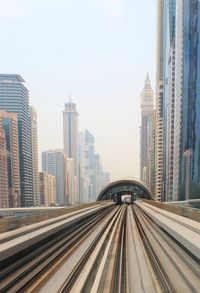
[147, 95]
[70, 137]
[147, 135]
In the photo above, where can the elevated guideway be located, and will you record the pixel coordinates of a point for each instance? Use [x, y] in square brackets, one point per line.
[143, 247]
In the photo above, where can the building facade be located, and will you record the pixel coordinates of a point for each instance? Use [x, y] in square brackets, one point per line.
[47, 188]
[8, 121]
[70, 137]
[147, 134]
[159, 152]
[54, 163]
[71, 183]
[178, 51]
[14, 98]
[34, 146]
[97, 174]
[105, 178]
[187, 123]
[4, 198]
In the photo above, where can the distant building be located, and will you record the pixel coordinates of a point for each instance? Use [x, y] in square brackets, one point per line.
[147, 134]
[71, 183]
[34, 144]
[8, 121]
[70, 136]
[54, 163]
[105, 178]
[82, 167]
[86, 166]
[14, 98]
[4, 200]
[47, 188]
[97, 174]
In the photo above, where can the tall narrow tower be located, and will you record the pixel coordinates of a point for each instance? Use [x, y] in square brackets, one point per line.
[70, 136]
[34, 145]
[70, 132]
[147, 133]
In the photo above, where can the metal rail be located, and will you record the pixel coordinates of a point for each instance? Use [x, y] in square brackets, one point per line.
[128, 248]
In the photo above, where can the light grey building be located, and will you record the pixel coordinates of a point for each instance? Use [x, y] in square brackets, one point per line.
[14, 98]
[34, 144]
[97, 174]
[70, 137]
[54, 163]
[147, 135]
[105, 178]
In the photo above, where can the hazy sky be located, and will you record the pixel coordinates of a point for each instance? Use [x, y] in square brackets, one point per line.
[100, 50]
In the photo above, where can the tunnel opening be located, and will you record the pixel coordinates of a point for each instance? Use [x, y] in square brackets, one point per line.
[132, 189]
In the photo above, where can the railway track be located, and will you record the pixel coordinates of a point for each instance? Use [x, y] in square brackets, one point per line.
[108, 248]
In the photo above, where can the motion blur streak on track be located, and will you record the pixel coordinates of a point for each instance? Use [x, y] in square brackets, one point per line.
[106, 248]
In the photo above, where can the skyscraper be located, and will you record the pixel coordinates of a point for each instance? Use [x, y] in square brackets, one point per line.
[71, 182]
[70, 137]
[159, 153]
[180, 99]
[89, 166]
[14, 98]
[8, 121]
[97, 174]
[105, 178]
[34, 145]
[47, 187]
[54, 163]
[81, 160]
[187, 108]
[4, 199]
[147, 133]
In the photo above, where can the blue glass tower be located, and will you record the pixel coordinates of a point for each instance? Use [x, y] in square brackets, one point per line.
[188, 99]
[14, 98]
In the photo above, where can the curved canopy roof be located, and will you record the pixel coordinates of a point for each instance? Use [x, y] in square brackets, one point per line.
[117, 188]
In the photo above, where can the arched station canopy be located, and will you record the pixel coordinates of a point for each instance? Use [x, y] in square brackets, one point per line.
[115, 189]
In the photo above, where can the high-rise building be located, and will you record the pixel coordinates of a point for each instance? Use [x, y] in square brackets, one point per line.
[159, 144]
[71, 183]
[86, 166]
[4, 199]
[54, 163]
[14, 98]
[97, 174]
[81, 149]
[147, 134]
[105, 178]
[187, 106]
[90, 168]
[47, 187]
[34, 144]
[179, 51]
[70, 132]
[8, 121]
[159, 153]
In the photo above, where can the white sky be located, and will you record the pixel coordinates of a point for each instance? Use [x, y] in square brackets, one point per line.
[100, 50]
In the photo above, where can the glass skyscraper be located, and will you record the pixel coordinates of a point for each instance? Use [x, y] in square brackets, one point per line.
[14, 98]
[180, 52]
[187, 123]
